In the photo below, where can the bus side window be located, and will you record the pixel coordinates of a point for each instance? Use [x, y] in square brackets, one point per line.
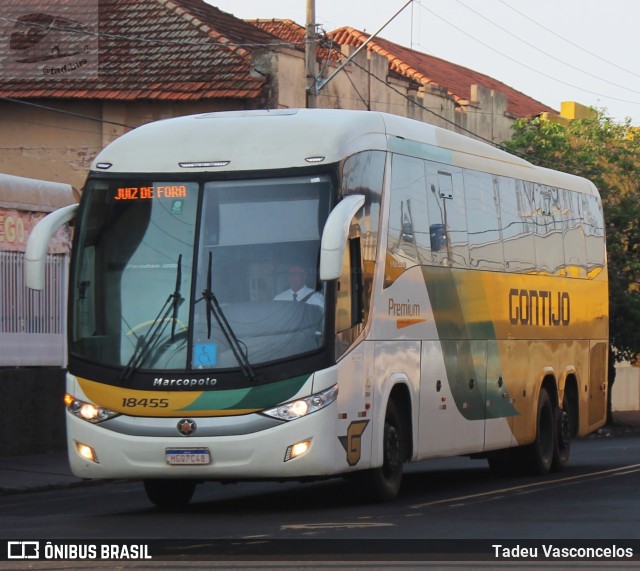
[350, 295]
[483, 209]
[408, 242]
[363, 173]
[518, 222]
[575, 256]
[594, 231]
[447, 215]
[549, 245]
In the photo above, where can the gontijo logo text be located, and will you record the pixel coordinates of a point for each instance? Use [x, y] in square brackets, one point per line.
[539, 307]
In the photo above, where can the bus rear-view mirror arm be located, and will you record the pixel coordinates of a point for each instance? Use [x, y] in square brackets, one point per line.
[335, 234]
[38, 244]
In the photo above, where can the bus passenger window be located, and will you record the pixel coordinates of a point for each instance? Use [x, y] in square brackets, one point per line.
[592, 211]
[447, 207]
[575, 256]
[518, 222]
[548, 235]
[485, 244]
[409, 241]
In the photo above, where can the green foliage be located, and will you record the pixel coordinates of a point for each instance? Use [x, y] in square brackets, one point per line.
[608, 154]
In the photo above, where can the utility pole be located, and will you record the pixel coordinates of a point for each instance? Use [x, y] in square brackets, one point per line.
[310, 55]
[319, 85]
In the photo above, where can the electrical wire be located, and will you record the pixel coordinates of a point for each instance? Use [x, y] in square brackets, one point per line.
[330, 48]
[366, 103]
[70, 113]
[493, 49]
[550, 164]
[553, 57]
[582, 48]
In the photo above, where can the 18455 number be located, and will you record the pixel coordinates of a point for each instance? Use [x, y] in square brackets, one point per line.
[132, 402]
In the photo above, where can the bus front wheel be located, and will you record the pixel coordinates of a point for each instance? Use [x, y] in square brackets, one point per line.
[169, 494]
[383, 484]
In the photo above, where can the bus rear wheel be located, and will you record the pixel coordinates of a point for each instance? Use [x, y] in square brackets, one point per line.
[383, 484]
[562, 446]
[169, 494]
[538, 455]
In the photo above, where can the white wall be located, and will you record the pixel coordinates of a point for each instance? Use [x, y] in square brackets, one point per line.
[625, 394]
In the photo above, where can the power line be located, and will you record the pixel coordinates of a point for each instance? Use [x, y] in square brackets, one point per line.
[582, 48]
[549, 55]
[551, 164]
[412, 101]
[524, 64]
[70, 113]
[331, 48]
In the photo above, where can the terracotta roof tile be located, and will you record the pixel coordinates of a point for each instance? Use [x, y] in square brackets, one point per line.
[294, 34]
[166, 49]
[286, 30]
[426, 69]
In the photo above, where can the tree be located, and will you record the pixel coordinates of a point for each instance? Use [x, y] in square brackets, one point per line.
[607, 153]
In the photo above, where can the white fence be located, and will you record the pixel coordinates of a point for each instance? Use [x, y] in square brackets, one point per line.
[625, 395]
[32, 323]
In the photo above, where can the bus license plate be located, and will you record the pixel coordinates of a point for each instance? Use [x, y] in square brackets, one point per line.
[187, 456]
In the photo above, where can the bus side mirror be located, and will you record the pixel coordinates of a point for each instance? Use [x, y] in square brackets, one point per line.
[35, 256]
[335, 235]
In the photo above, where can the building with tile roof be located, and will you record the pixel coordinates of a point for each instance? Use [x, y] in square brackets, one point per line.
[170, 50]
[75, 74]
[107, 66]
[438, 91]
[427, 70]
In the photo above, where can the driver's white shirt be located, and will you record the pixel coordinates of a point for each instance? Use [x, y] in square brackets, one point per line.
[314, 299]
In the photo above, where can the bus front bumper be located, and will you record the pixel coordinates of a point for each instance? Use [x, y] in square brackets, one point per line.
[97, 452]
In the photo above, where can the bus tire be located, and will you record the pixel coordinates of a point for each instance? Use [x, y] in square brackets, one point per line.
[538, 455]
[383, 484]
[169, 494]
[562, 448]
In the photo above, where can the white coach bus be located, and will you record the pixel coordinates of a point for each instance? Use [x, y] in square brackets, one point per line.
[452, 300]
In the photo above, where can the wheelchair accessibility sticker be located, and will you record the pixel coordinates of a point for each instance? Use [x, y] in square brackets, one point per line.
[205, 355]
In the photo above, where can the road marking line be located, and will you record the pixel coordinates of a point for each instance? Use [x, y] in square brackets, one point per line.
[346, 525]
[613, 472]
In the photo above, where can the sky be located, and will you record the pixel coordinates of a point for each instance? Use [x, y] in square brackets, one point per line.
[551, 50]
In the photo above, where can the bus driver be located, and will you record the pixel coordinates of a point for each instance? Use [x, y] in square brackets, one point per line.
[298, 289]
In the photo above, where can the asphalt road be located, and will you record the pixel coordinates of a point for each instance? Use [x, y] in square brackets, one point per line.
[451, 509]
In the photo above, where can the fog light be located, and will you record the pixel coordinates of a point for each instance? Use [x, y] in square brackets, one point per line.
[296, 450]
[86, 452]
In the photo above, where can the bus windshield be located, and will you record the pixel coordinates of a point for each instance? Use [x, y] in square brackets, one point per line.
[185, 275]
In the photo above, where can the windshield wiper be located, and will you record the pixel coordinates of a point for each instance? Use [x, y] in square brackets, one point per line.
[147, 343]
[213, 307]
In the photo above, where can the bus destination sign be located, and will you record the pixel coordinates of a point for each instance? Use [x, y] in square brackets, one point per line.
[150, 192]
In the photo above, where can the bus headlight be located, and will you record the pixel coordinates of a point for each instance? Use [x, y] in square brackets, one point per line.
[302, 407]
[87, 411]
